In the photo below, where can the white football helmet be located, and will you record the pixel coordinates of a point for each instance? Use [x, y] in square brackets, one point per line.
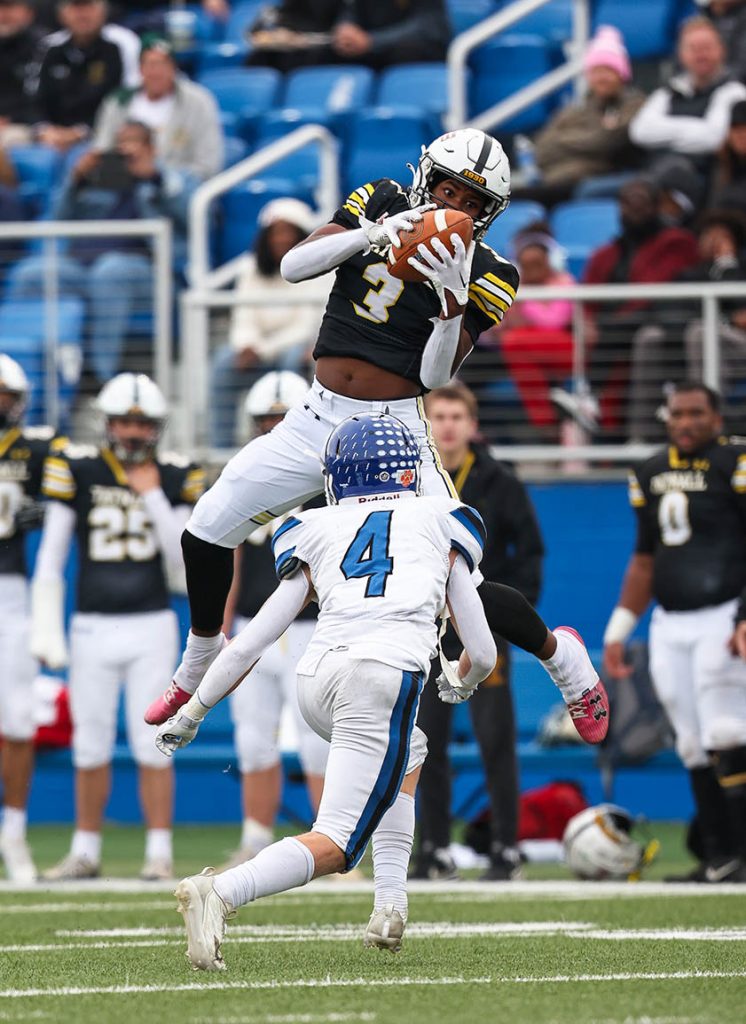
[473, 157]
[274, 393]
[135, 395]
[15, 381]
[598, 845]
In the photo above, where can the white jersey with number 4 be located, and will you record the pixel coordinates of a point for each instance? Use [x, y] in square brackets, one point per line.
[379, 567]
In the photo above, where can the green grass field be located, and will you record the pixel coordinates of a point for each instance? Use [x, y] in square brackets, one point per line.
[541, 951]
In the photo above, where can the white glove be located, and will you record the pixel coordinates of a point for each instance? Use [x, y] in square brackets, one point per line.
[444, 271]
[451, 688]
[47, 641]
[177, 732]
[384, 232]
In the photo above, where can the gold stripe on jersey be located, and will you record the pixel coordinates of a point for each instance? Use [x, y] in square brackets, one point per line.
[9, 440]
[502, 285]
[490, 298]
[488, 310]
[58, 444]
[57, 481]
[194, 486]
[636, 496]
[738, 480]
[357, 200]
[263, 518]
[431, 445]
[115, 466]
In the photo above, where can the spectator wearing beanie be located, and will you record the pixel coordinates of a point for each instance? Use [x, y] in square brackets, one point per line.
[729, 185]
[590, 138]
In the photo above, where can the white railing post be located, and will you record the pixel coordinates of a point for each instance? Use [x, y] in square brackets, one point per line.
[710, 342]
[163, 308]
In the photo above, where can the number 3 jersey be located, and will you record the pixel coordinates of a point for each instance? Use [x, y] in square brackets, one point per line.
[22, 455]
[379, 568]
[120, 565]
[691, 513]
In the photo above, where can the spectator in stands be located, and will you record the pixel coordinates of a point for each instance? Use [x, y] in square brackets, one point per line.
[535, 337]
[182, 115]
[682, 192]
[265, 338]
[293, 34]
[590, 139]
[19, 43]
[513, 555]
[83, 63]
[114, 274]
[690, 114]
[729, 185]
[645, 252]
[729, 18]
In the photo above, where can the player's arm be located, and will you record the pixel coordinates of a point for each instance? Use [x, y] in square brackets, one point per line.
[47, 639]
[236, 660]
[738, 484]
[637, 588]
[457, 683]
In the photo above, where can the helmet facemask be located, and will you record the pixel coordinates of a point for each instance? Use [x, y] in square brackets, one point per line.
[134, 450]
[12, 407]
[429, 173]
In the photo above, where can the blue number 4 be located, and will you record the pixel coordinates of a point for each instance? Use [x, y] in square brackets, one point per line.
[368, 554]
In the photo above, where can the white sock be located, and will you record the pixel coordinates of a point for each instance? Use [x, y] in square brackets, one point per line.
[392, 848]
[86, 844]
[255, 836]
[570, 684]
[281, 866]
[14, 823]
[200, 653]
[159, 844]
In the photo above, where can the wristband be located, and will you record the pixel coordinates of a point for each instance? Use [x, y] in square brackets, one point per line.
[620, 625]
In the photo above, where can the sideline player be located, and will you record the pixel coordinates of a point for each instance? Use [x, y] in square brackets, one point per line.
[382, 561]
[257, 706]
[127, 505]
[22, 454]
[690, 556]
[381, 344]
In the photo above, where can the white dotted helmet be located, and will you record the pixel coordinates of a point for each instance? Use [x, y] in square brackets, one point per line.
[133, 395]
[473, 157]
[274, 393]
[13, 380]
[598, 844]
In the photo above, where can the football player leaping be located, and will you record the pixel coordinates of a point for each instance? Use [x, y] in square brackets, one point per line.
[381, 345]
[381, 561]
[22, 454]
[128, 506]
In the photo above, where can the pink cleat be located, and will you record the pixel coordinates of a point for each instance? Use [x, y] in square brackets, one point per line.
[165, 706]
[590, 712]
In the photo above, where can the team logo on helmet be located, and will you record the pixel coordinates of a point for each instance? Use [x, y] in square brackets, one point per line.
[473, 176]
[406, 477]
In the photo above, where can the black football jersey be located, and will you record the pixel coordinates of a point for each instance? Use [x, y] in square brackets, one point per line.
[121, 570]
[22, 455]
[691, 513]
[258, 578]
[373, 316]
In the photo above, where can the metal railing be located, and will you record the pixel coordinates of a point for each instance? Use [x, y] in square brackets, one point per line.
[461, 47]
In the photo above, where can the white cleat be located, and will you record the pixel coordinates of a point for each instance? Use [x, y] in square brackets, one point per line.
[385, 929]
[157, 869]
[205, 914]
[19, 865]
[72, 868]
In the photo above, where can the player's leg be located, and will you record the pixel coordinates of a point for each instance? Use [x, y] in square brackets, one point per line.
[269, 476]
[313, 750]
[94, 683]
[17, 726]
[150, 642]
[671, 671]
[720, 686]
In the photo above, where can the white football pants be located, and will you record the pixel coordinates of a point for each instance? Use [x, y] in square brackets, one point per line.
[257, 705]
[281, 470]
[17, 667]
[698, 681]
[367, 711]
[138, 651]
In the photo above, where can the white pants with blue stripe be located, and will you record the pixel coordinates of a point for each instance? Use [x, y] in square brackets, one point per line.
[282, 469]
[367, 711]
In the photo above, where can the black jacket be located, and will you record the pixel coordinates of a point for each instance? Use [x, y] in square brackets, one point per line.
[73, 82]
[19, 59]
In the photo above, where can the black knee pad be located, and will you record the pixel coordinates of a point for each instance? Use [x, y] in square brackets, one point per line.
[511, 616]
[209, 574]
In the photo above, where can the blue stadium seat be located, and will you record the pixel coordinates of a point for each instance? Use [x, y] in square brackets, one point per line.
[38, 169]
[240, 209]
[518, 215]
[231, 50]
[235, 151]
[502, 67]
[553, 22]
[329, 94]
[465, 13]
[245, 93]
[420, 85]
[585, 223]
[648, 28]
[303, 166]
[380, 144]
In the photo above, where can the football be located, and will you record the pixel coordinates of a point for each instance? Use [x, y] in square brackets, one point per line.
[434, 224]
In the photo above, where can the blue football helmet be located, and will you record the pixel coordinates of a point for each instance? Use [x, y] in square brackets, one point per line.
[371, 454]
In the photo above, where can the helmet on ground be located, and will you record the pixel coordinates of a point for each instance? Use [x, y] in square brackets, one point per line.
[472, 157]
[371, 454]
[274, 393]
[14, 382]
[134, 396]
[598, 844]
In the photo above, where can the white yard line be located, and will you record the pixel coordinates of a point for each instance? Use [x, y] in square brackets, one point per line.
[80, 908]
[364, 983]
[293, 1018]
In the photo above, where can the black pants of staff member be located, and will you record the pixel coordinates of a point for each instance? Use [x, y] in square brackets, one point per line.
[493, 721]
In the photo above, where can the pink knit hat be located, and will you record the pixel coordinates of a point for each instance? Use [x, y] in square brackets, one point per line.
[607, 50]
